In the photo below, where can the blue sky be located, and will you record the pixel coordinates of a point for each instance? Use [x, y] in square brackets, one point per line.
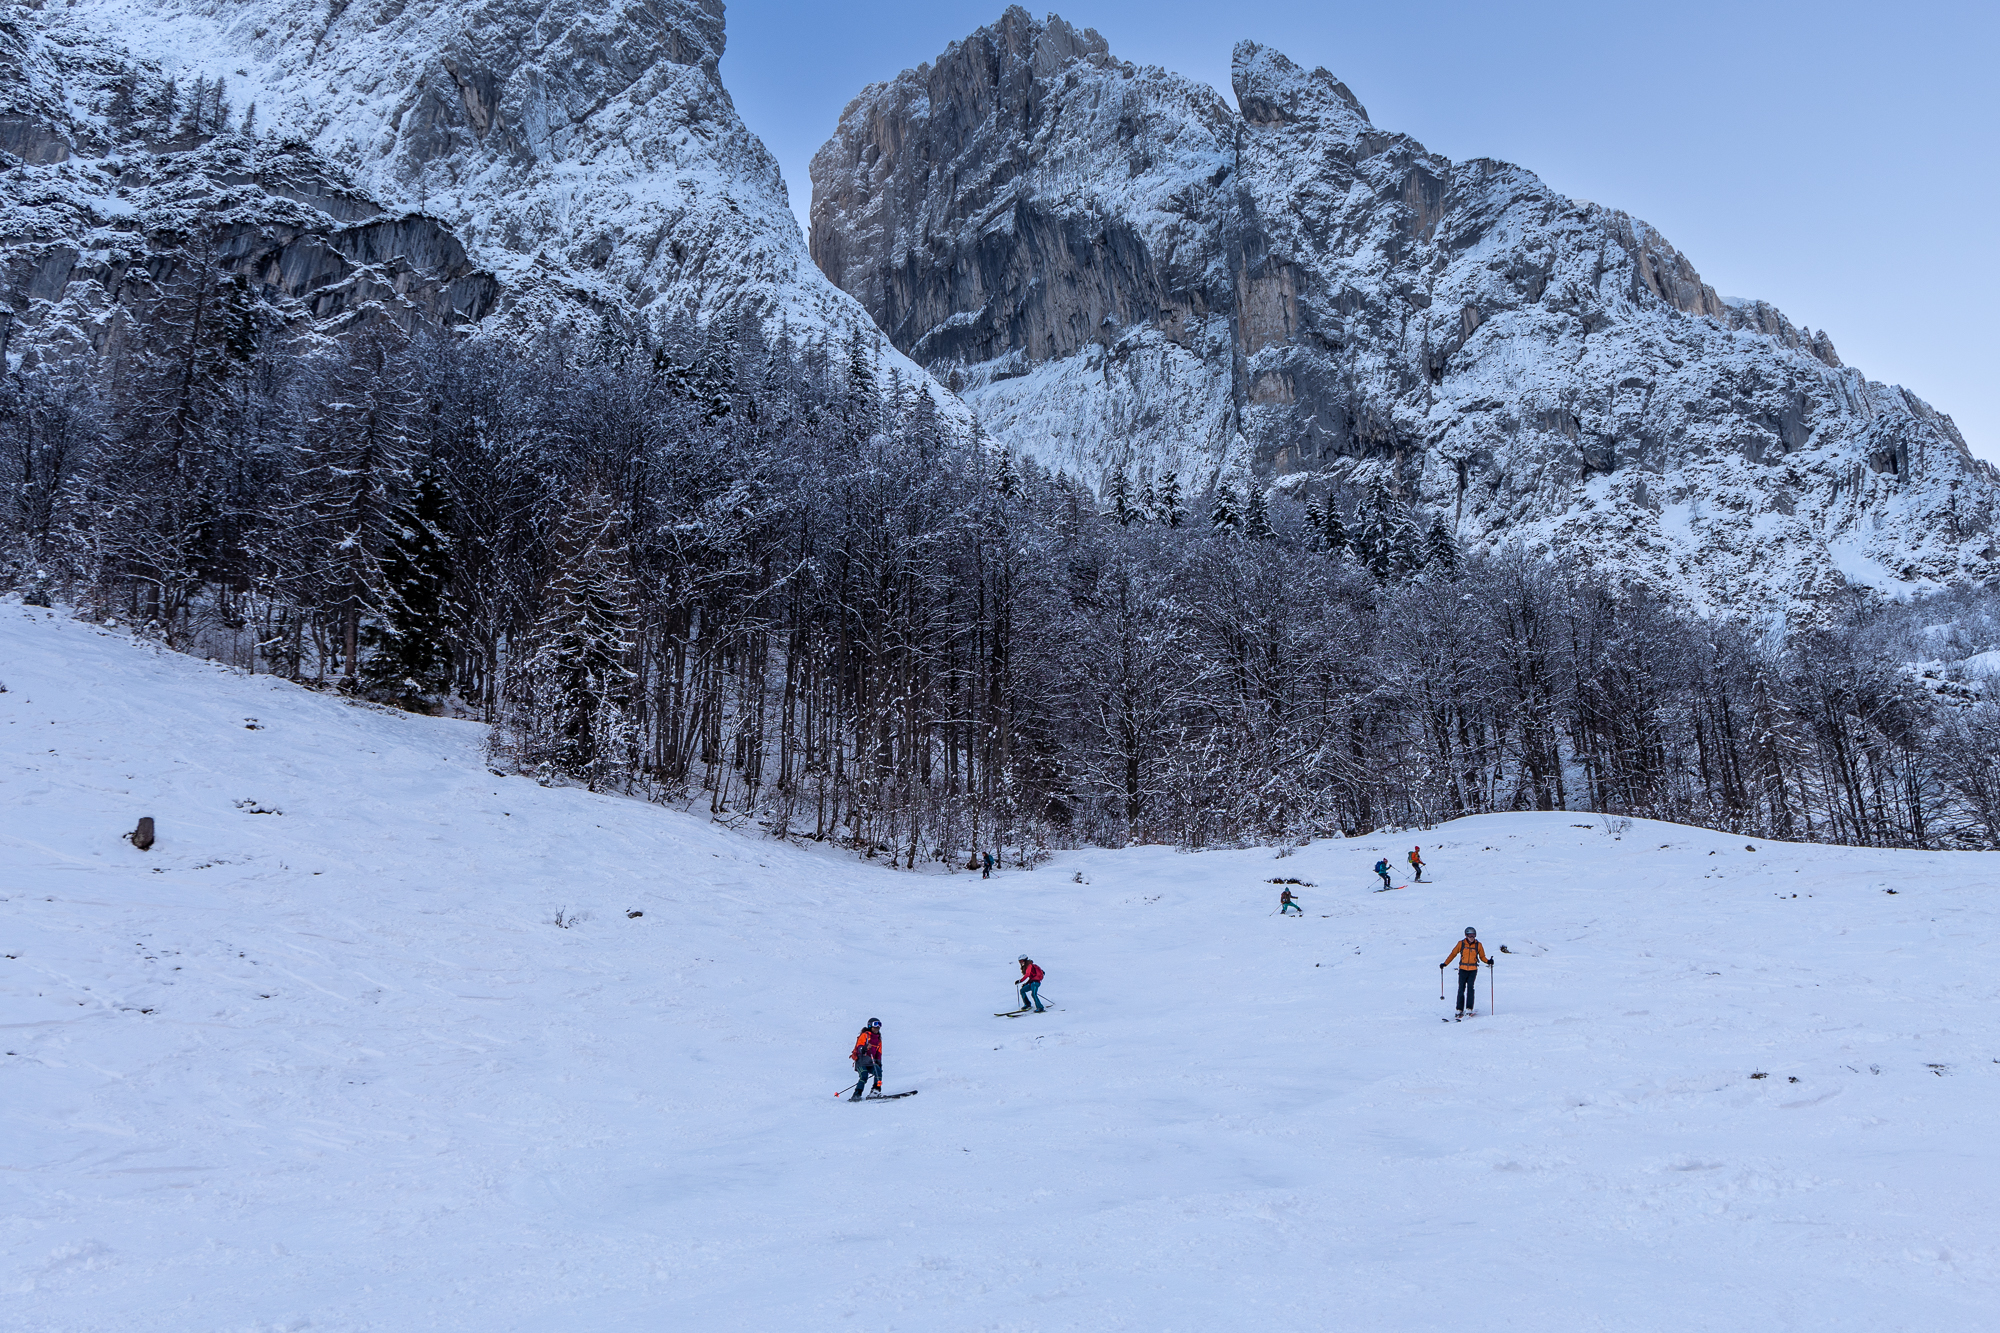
[1836, 159]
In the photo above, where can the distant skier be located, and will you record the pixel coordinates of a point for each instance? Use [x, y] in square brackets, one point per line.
[868, 1058]
[1417, 863]
[1382, 869]
[1287, 903]
[1030, 984]
[987, 872]
[1470, 953]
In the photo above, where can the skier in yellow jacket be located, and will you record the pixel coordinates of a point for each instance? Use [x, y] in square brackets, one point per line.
[1470, 953]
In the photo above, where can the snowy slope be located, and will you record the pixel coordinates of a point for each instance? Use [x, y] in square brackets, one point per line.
[1117, 270]
[377, 1089]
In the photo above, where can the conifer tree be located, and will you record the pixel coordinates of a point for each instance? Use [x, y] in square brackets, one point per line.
[355, 463]
[194, 116]
[165, 108]
[1375, 543]
[1331, 530]
[411, 662]
[1441, 555]
[922, 426]
[1172, 511]
[1257, 516]
[1119, 492]
[1005, 479]
[861, 408]
[1224, 511]
[1406, 542]
[572, 692]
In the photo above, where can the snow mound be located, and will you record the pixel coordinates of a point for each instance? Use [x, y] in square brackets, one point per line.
[322, 1059]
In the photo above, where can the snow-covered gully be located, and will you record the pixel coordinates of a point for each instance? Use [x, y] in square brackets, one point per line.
[322, 1059]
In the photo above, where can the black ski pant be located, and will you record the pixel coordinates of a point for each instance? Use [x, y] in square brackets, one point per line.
[867, 1069]
[1468, 986]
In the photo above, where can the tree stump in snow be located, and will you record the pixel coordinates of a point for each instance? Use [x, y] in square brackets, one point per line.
[142, 837]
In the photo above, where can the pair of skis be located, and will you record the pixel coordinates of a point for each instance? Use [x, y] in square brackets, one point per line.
[1016, 1013]
[876, 1096]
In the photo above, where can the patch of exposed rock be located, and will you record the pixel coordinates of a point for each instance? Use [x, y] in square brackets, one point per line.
[106, 202]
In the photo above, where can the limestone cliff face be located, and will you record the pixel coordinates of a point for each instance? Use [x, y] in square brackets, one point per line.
[553, 170]
[1118, 270]
[96, 221]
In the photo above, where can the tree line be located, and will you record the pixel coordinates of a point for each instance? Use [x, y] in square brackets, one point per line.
[741, 568]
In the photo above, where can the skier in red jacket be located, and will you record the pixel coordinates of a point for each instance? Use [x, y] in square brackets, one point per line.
[867, 1058]
[1030, 984]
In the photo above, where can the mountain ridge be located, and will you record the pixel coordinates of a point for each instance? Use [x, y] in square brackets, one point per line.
[1122, 274]
[584, 156]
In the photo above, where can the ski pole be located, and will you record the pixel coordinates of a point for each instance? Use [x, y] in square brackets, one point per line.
[844, 1091]
[1440, 981]
[1491, 971]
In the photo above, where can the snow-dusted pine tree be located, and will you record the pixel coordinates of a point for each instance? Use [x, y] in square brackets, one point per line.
[411, 661]
[571, 692]
[1225, 510]
[1006, 479]
[1118, 490]
[1406, 542]
[1257, 515]
[1375, 542]
[1441, 556]
[1173, 512]
[1331, 530]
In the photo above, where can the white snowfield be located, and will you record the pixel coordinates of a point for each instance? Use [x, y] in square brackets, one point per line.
[335, 1069]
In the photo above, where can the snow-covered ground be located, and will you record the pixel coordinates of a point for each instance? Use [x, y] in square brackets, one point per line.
[335, 1068]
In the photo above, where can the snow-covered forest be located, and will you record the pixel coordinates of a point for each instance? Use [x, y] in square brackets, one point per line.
[746, 572]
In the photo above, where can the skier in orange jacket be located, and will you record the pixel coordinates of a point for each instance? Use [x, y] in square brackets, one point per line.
[867, 1057]
[1470, 953]
[1417, 862]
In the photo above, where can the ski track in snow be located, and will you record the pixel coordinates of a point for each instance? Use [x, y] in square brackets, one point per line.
[379, 1090]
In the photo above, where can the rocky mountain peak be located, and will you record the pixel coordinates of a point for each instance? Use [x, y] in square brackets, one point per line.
[1271, 90]
[1125, 276]
[541, 170]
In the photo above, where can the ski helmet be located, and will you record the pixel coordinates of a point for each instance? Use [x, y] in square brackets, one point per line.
[1470, 933]
[874, 1022]
[1023, 959]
